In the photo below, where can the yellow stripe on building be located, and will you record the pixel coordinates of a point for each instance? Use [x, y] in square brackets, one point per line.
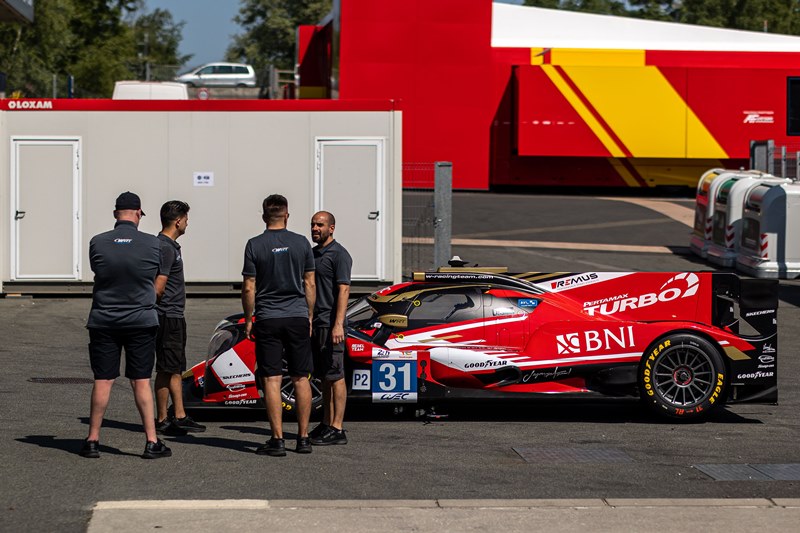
[583, 111]
[597, 58]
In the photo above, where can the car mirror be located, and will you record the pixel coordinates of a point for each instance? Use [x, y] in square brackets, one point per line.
[397, 321]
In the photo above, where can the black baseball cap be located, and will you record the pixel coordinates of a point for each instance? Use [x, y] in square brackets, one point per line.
[128, 200]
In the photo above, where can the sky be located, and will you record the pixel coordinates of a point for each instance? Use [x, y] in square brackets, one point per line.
[209, 26]
[208, 29]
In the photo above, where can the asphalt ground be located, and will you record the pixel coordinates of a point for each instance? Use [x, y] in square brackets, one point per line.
[505, 453]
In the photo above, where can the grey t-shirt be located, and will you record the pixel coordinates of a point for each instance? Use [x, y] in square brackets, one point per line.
[278, 259]
[333, 269]
[125, 263]
[173, 301]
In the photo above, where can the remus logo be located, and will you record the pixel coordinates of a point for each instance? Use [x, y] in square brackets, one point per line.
[574, 280]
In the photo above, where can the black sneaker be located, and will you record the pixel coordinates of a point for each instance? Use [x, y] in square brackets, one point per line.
[318, 431]
[274, 447]
[303, 445]
[332, 436]
[169, 428]
[186, 423]
[90, 449]
[154, 450]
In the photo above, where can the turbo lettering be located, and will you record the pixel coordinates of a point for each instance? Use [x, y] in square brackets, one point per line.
[621, 303]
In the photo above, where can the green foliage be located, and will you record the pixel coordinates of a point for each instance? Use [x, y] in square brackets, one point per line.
[270, 30]
[96, 41]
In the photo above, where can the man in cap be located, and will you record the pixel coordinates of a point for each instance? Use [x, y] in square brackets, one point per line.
[125, 263]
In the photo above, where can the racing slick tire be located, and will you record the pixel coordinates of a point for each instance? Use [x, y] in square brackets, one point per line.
[683, 376]
[288, 399]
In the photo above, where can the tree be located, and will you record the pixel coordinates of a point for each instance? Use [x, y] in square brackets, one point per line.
[270, 30]
[96, 41]
[602, 7]
[158, 37]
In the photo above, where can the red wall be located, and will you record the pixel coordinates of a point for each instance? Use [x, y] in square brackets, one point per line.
[435, 57]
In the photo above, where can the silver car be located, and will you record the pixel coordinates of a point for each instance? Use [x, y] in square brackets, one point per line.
[220, 75]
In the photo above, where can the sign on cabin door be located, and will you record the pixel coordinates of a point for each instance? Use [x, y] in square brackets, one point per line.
[45, 209]
[349, 184]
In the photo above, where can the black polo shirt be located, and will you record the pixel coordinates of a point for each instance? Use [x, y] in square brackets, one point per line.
[333, 264]
[173, 301]
[125, 263]
[278, 259]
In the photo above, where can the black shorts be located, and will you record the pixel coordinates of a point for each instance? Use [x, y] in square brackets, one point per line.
[276, 337]
[328, 357]
[171, 345]
[105, 352]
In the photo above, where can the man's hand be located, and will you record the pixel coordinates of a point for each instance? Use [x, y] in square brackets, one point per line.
[337, 333]
[248, 329]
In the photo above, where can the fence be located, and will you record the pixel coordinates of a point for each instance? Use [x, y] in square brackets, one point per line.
[427, 215]
[781, 161]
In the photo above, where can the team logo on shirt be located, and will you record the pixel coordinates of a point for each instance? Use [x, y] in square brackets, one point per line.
[123, 241]
[280, 250]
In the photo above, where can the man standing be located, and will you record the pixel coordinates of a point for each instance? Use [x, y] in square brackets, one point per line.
[171, 339]
[333, 266]
[279, 286]
[125, 263]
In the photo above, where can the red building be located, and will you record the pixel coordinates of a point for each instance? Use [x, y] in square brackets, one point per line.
[521, 96]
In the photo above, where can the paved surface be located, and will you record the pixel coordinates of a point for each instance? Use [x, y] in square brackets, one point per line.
[473, 455]
[611, 515]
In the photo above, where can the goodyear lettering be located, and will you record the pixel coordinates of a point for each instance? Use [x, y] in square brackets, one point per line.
[756, 375]
[648, 386]
[239, 402]
[486, 364]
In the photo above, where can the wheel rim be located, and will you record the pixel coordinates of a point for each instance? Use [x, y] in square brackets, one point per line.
[288, 394]
[683, 375]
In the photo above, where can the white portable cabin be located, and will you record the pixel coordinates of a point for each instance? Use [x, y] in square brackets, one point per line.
[150, 90]
[69, 159]
[770, 243]
[707, 188]
[727, 223]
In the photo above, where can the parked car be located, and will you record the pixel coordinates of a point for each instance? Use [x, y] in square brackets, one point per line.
[685, 343]
[149, 90]
[220, 75]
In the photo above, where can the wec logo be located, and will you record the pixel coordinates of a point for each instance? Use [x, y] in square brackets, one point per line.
[592, 341]
[681, 285]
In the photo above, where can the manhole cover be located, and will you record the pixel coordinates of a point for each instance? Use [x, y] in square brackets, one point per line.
[573, 455]
[63, 381]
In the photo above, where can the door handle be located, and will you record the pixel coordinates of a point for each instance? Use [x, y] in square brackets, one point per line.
[373, 215]
[19, 215]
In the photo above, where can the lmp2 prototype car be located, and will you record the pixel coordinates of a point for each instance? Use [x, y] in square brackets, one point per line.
[685, 343]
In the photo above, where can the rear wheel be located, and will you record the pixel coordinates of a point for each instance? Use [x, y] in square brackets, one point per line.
[683, 376]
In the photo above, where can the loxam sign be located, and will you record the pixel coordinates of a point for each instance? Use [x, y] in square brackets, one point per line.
[29, 104]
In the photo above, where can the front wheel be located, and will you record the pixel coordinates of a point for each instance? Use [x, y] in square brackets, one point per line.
[288, 398]
[683, 376]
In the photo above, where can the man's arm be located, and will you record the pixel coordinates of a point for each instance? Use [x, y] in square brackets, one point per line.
[161, 284]
[310, 283]
[248, 304]
[337, 333]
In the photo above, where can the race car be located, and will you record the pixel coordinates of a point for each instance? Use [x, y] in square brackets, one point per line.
[685, 343]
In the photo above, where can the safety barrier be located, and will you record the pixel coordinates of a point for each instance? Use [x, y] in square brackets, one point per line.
[727, 219]
[769, 243]
[705, 200]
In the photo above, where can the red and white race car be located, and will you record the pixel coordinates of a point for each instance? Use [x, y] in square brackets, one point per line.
[686, 343]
